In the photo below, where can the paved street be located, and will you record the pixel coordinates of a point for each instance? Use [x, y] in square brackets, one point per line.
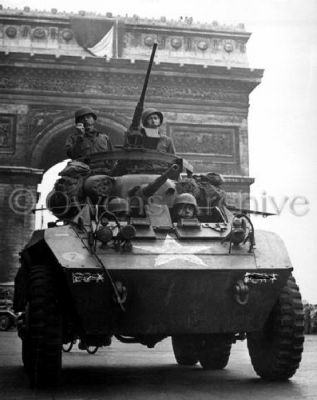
[135, 372]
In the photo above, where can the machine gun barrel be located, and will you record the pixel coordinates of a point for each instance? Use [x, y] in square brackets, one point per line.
[247, 211]
[139, 108]
[152, 187]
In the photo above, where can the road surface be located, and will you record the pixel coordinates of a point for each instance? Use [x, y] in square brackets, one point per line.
[133, 372]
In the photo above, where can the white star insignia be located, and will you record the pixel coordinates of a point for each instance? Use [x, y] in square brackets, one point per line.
[172, 250]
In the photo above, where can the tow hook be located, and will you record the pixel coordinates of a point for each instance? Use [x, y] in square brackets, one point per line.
[241, 288]
[241, 292]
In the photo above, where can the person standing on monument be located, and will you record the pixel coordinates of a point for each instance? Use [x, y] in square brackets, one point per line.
[153, 119]
[150, 135]
[86, 140]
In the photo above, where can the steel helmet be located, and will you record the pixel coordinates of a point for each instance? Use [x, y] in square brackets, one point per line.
[215, 179]
[186, 198]
[150, 111]
[117, 205]
[84, 111]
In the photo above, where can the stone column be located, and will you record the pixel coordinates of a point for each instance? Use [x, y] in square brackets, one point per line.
[18, 197]
[238, 190]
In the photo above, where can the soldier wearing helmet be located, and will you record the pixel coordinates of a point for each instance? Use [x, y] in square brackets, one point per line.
[150, 135]
[86, 139]
[185, 206]
[153, 119]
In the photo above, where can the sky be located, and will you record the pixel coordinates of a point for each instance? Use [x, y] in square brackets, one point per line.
[282, 115]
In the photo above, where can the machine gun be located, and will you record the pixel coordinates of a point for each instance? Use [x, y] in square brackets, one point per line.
[152, 187]
[148, 190]
[134, 136]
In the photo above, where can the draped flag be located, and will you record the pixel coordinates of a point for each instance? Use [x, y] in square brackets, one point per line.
[95, 35]
[104, 48]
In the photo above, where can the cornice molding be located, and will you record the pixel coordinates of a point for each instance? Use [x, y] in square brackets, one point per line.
[178, 41]
[186, 23]
[123, 86]
[124, 66]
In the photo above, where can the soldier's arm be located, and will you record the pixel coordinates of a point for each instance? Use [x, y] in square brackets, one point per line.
[109, 143]
[170, 146]
[73, 144]
[104, 142]
[69, 146]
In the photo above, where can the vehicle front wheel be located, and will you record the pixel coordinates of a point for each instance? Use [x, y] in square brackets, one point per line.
[214, 351]
[185, 350]
[92, 349]
[276, 350]
[67, 347]
[42, 342]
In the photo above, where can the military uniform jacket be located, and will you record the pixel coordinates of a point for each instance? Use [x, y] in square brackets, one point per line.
[81, 145]
[165, 144]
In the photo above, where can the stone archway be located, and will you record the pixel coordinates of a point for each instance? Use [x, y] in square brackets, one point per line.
[48, 146]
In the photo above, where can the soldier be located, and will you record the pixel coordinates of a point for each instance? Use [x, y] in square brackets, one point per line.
[86, 139]
[153, 119]
[185, 206]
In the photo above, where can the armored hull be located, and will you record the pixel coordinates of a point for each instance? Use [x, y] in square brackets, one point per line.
[205, 282]
[173, 286]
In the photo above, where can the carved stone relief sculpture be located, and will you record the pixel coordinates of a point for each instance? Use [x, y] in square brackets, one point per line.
[7, 133]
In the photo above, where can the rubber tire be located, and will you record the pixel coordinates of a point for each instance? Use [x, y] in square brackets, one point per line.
[215, 351]
[42, 343]
[67, 347]
[185, 350]
[5, 322]
[92, 349]
[276, 351]
[25, 341]
[26, 353]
